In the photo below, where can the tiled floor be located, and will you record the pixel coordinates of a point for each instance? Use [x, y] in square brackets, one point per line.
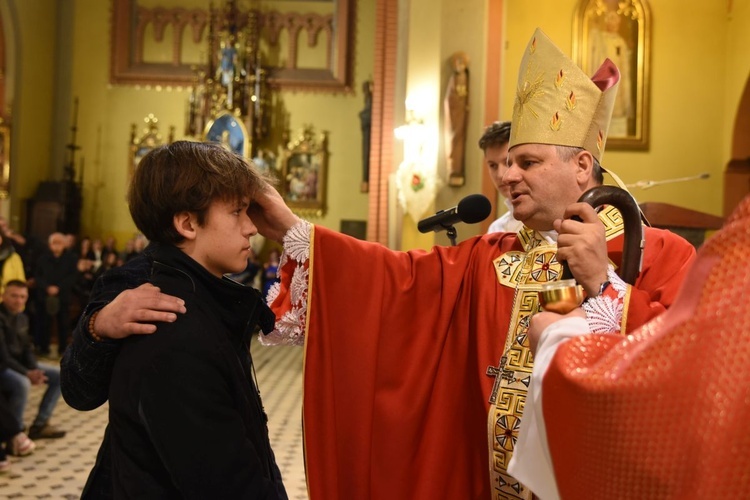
[58, 468]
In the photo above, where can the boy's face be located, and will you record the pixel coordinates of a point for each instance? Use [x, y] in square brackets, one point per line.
[496, 158]
[222, 244]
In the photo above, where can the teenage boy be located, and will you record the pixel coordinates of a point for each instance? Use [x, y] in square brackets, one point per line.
[186, 418]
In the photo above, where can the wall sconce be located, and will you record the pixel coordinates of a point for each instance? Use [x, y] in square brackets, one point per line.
[413, 134]
[416, 177]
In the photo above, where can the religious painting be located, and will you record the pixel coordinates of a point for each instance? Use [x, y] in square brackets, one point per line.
[304, 165]
[227, 130]
[4, 161]
[619, 30]
[150, 138]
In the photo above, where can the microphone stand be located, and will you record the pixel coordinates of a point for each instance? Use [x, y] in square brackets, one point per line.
[451, 232]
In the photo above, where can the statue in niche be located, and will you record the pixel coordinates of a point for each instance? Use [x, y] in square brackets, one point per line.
[228, 67]
[365, 119]
[456, 105]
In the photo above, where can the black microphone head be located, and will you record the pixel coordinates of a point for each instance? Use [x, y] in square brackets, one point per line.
[474, 208]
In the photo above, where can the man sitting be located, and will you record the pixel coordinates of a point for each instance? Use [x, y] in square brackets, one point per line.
[19, 369]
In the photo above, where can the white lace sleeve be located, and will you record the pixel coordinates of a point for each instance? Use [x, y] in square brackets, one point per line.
[604, 313]
[290, 327]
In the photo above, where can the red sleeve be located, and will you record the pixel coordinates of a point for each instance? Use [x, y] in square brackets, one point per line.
[662, 413]
[666, 261]
[395, 353]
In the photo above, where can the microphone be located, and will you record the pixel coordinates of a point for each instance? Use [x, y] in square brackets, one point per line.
[472, 209]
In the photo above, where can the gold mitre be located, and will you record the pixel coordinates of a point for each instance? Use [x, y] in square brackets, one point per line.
[557, 103]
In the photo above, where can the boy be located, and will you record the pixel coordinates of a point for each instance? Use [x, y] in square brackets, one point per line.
[494, 145]
[185, 415]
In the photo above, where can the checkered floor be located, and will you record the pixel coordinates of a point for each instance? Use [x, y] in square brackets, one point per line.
[58, 468]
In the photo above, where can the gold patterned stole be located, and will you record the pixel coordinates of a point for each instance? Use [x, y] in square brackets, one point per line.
[524, 271]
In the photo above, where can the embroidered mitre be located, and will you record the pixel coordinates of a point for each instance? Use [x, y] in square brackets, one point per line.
[557, 103]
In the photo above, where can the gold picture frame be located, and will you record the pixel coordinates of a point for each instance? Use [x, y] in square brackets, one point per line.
[149, 139]
[4, 161]
[138, 24]
[304, 171]
[228, 130]
[619, 30]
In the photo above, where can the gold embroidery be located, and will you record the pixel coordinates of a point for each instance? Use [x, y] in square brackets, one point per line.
[570, 102]
[555, 122]
[529, 92]
[525, 271]
[559, 79]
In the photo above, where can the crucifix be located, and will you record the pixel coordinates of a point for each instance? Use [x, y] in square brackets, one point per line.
[500, 373]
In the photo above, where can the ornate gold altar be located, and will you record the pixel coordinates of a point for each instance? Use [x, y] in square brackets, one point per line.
[231, 101]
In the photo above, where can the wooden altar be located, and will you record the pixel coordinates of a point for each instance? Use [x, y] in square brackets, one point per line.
[690, 224]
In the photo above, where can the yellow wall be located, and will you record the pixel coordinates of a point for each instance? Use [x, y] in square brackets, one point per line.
[106, 113]
[699, 69]
[438, 29]
[30, 28]
[696, 81]
[463, 27]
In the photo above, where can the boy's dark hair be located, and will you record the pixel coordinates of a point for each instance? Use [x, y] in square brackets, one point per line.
[496, 134]
[186, 176]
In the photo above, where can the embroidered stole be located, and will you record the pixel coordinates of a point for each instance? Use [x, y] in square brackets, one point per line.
[525, 271]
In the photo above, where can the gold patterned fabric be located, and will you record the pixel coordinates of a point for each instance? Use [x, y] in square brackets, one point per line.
[662, 414]
[525, 271]
[557, 103]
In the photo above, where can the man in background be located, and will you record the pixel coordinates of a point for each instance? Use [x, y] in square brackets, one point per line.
[19, 369]
[55, 275]
[494, 144]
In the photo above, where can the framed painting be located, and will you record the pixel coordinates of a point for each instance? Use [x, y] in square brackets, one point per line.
[230, 132]
[619, 30]
[140, 145]
[304, 170]
[4, 161]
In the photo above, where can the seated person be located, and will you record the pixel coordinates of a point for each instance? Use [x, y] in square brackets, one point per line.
[19, 369]
[186, 418]
[16, 441]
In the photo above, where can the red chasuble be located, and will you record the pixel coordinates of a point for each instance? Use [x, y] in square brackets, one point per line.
[397, 346]
[664, 413]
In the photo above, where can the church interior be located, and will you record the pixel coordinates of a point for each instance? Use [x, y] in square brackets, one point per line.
[345, 103]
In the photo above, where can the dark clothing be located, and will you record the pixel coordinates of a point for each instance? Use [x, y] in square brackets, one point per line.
[16, 352]
[86, 367]
[8, 424]
[186, 417]
[61, 272]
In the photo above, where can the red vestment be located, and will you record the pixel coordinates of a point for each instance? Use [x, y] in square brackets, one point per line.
[662, 414]
[396, 351]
